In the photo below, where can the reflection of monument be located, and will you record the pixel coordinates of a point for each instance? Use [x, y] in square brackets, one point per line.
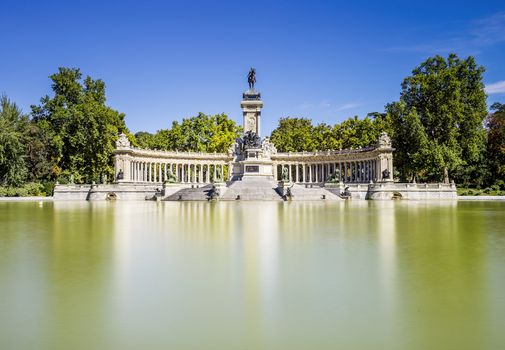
[252, 169]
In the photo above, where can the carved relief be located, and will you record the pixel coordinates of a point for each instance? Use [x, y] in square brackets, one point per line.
[251, 123]
[384, 140]
[122, 141]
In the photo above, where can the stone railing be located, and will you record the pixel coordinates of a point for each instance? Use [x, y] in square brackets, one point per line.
[138, 152]
[323, 153]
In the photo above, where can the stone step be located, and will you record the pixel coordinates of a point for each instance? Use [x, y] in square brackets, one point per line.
[300, 192]
[190, 194]
[252, 190]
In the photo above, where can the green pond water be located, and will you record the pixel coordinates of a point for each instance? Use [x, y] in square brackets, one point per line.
[146, 275]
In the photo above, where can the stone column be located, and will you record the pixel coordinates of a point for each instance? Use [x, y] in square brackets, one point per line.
[390, 166]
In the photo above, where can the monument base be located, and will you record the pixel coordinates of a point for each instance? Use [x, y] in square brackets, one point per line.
[253, 169]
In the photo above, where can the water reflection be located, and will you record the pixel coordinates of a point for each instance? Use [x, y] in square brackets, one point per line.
[365, 275]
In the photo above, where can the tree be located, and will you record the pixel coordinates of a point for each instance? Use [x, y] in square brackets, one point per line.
[413, 151]
[324, 138]
[13, 123]
[294, 135]
[145, 139]
[201, 133]
[448, 96]
[82, 130]
[496, 141]
[355, 132]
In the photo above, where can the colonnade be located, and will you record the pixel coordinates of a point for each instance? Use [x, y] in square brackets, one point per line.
[359, 171]
[184, 172]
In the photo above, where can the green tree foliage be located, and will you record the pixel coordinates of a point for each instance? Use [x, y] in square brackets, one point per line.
[294, 135]
[448, 97]
[355, 132]
[201, 133]
[298, 134]
[413, 150]
[13, 126]
[82, 130]
[144, 139]
[496, 141]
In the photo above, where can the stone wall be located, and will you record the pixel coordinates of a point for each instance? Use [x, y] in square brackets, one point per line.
[411, 191]
[104, 192]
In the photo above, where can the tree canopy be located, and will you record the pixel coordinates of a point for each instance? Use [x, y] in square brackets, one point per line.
[496, 141]
[82, 130]
[201, 133]
[448, 97]
[298, 134]
[13, 125]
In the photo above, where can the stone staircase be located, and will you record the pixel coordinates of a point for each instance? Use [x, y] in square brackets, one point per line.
[252, 190]
[300, 192]
[190, 194]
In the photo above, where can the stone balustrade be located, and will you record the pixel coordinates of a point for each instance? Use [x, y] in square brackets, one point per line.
[133, 165]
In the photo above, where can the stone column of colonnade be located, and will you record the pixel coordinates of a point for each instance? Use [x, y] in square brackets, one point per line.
[197, 172]
[362, 171]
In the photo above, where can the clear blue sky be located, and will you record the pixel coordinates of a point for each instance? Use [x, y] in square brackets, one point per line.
[163, 61]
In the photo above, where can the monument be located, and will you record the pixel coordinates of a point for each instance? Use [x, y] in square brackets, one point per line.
[252, 154]
[253, 169]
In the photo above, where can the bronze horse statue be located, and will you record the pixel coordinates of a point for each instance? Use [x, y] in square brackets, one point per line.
[251, 78]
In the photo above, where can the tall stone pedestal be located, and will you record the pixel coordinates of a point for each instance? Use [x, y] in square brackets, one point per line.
[251, 110]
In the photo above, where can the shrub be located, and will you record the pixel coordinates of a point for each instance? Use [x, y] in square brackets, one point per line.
[500, 184]
[48, 187]
[487, 190]
[29, 189]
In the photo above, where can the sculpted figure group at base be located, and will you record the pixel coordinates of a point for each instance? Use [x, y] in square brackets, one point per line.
[251, 140]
